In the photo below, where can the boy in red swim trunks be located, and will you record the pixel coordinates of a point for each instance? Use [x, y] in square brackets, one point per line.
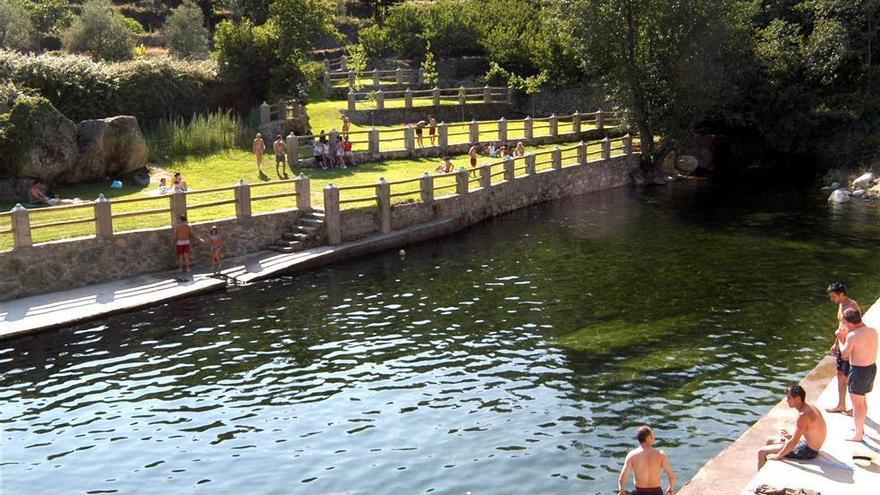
[182, 238]
[645, 464]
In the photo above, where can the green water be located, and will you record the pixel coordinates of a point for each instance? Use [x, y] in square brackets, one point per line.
[514, 357]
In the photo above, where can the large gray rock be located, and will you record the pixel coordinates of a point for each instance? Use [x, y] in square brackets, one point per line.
[864, 181]
[687, 164]
[54, 149]
[107, 147]
[839, 196]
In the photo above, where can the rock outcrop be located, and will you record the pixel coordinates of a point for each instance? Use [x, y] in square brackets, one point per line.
[106, 148]
[53, 151]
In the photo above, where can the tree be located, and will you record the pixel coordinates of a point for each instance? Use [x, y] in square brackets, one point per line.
[429, 67]
[101, 32]
[244, 55]
[666, 61]
[185, 32]
[16, 30]
[256, 11]
[299, 23]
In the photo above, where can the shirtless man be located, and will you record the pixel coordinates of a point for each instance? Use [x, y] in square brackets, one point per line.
[809, 432]
[280, 162]
[837, 294]
[432, 128]
[183, 234]
[346, 125]
[860, 348]
[445, 167]
[645, 463]
[473, 154]
[258, 148]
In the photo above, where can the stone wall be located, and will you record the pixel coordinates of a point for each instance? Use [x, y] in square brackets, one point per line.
[443, 113]
[562, 101]
[62, 265]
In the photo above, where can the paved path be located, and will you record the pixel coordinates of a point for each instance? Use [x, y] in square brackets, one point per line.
[36, 313]
[733, 471]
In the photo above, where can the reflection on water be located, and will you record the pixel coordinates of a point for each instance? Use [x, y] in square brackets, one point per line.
[515, 357]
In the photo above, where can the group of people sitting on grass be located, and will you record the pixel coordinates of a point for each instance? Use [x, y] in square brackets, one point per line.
[855, 352]
[330, 153]
[178, 184]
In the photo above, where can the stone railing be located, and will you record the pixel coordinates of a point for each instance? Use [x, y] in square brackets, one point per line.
[377, 144]
[372, 78]
[379, 99]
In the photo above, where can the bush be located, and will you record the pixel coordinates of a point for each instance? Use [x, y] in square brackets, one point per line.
[16, 29]
[374, 40]
[429, 68]
[100, 32]
[185, 32]
[496, 75]
[20, 114]
[176, 137]
[405, 25]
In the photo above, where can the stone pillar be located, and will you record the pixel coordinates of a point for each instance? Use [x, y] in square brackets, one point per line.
[461, 97]
[509, 172]
[292, 145]
[582, 153]
[487, 94]
[242, 199]
[383, 197]
[265, 114]
[380, 100]
[606, 148]
[426, 187]
[436, 95]
[556, 158]
[331, 215]
[474, 131]
[374, 142]
[281, 110]
[485, 176]
[351, 102]
[420, 76]
[530, 164]
[409, 139]
[554, 126]
[627, 145]
[528, 128]
[510, 94]
[326, 65]
[443, 136]
[103, 218]
[343, 63]
[461, 181]
[376, 77]
[352, 79]
[398, 76]
[600, 120]
[576, 123]
[407, 98]
[21, 227]
[178, 206]
[303, 188]
[327, 82]
[502, 129]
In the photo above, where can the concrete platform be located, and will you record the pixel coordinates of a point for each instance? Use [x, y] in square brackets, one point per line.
[36, 313]
[734, 470]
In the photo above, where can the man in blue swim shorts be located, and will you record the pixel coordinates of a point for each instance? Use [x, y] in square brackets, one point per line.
[809, 432]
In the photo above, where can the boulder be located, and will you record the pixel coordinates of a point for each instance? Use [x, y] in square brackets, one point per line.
[107, 147]
[864, 180]
[859, 193]
[687, 164]
[141, 178]
[839, 196]
[835, 185]
[54, 147]
[666, 164]
[825, 189]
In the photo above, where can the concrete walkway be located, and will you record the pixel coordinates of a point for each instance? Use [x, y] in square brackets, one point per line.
[31, 314]
[733, 471]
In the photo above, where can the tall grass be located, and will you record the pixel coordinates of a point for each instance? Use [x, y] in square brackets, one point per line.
[202, 134]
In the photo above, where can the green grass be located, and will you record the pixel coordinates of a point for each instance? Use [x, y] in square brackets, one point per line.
[226, 168]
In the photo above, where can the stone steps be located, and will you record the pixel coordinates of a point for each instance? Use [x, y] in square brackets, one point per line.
[307, 233]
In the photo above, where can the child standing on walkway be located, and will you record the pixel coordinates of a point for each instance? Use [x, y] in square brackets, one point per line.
[216, 246]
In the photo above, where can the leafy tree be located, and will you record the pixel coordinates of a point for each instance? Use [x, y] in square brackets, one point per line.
[300, 23]
[429, 67]
[245, 55]
[406, 27]
[16, 30]
[256, 11]
[357, 61]
[185, 32]
[374, 40]
[48, 16]
[101, 32]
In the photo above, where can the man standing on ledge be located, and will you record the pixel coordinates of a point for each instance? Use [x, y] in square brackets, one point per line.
[860, 348]
[645, 463]
[810, 425]
[837, 294]
[183, 234]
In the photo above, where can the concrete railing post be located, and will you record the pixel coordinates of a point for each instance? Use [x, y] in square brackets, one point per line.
[398, 76]
[510, 94]
[242, 192]
[485, 176]
[606, 148]
[332, 220]
[502, 129]
[328, 83]
[21, 227]
[374, 142]
[436, 94]
[530, 164]
[627, 145]
[326, 65]
[461, 95]
[600, 120]
[528, 128]
[281, 110]
[509, 172]
[103, 218]
[487, 94]
[407, 98]
[343, 63]
[352, 79]
[351, 102]
[265, 114]
[426, 188]
[177, 200]
[576, 123]
[582, 153]
[461, 181]
[554, 126]
[409, 139]
[420, 76]
[443, 136]
[383, 198]
[380, 100]
[292, 145]
[556, 158]
[474, 131]
[376, 77]
[303, 189]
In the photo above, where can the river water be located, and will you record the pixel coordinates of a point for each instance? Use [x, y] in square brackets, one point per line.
[515, 357]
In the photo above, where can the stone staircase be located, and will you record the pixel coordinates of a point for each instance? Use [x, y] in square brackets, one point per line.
[308, 232]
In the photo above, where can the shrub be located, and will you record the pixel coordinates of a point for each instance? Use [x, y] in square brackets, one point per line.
[406, 27]
[245, 54]
[16, 29]
[496, 75]
[216, 131]
[48, 16]
[18, 125]
[185, 32]
[374, 40]
[429, 68]
[100, 32]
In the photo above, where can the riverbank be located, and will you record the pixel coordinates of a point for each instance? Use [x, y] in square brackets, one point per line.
[733, 471]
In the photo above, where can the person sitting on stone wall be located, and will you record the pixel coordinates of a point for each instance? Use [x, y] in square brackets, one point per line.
[808, 436]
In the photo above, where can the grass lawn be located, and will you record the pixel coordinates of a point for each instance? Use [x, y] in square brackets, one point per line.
[225, 169]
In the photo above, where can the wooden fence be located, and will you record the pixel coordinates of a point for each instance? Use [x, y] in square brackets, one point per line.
[373, 78]
[408, 98]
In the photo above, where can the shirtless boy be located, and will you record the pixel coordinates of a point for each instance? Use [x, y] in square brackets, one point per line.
[837, 294]
[860, 349]
[183, 235]
[645, 463]
[808, 436]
